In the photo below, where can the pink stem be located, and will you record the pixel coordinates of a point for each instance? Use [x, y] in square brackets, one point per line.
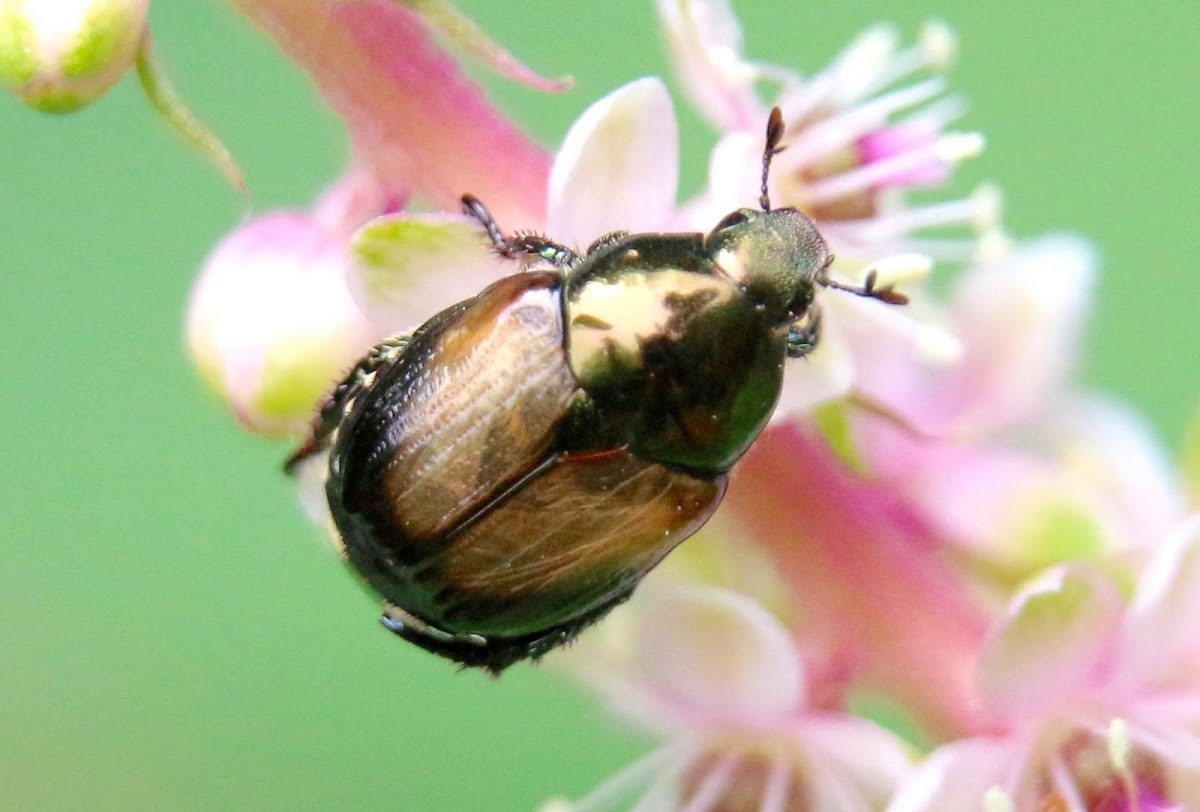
[416, 122]
[866, 575]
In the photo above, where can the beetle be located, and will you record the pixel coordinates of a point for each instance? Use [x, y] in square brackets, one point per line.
[508, 472]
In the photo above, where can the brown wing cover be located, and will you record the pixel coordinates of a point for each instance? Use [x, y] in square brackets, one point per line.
[472, 407]
[456, 503]
[576, 535]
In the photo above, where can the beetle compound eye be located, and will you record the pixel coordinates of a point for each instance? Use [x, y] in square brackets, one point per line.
[734, 218]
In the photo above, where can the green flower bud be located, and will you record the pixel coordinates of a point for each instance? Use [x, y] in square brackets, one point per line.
[62, 55]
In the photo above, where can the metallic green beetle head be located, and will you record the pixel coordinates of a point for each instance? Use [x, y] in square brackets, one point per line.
[776, 256]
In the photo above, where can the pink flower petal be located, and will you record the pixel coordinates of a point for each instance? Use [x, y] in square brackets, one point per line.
[1112, 453]
[1019, 320]
[271, 323]
[1053, 644]
[1161, 635]
[870, 586]
[414, 119]
[618, 167]
[721, 654]
[469, 38]
[854, 754]
[955, 777]
[407, 267]
[705, 41]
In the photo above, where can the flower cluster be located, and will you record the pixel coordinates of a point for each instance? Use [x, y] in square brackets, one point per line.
[945, 577]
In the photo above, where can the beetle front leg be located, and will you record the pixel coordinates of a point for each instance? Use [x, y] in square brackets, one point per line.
[803, 338]
[605, 240]
[335, 404]
[520, 245]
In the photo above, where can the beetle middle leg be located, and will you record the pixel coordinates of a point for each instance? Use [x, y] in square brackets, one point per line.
[804, 336]
[335, 404]
[520, 245]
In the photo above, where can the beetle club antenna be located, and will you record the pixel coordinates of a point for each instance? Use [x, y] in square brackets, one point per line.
[868, 290]
[774, 134]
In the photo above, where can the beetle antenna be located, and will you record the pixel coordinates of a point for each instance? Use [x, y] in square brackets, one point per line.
[774, 134]
[886, 294]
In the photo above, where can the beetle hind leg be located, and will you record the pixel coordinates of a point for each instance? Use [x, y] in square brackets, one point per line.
[492, 654]
[338, 401]
[520, 244]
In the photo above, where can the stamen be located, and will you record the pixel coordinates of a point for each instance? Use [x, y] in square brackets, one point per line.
[936, 115]
[1119, 744]
[997, 800]
[1066, 787]
[989, 207]
[857, 68]
[834, 133]
[939, 42]
[900, 269]
[714, 785]
[979, 209]
[949, 149]
[948, 249]
[1118, 757]
[775, 788]
[935, 50]
[993, 245]
[620, 785]
[955, 148]
[663, 790]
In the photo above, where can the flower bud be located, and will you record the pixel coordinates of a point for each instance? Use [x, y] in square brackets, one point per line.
[271, 324]
[60, 56]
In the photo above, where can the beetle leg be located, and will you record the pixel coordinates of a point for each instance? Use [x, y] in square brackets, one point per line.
[520, 245]
[605, 240]
[804, 338]
[338, 401]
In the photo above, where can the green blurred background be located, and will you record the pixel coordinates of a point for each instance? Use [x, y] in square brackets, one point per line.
[175, 635]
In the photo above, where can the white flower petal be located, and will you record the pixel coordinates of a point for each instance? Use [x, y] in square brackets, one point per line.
[858, 754]
[955, 777]
[1161, 635]
[734, 173]
[1019, 320]
[705, 41]
[618, 167]
[720, 653]
[822, 375]
[406, 267]
[1051, 643]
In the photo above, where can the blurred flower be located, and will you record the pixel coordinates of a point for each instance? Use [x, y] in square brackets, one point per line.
[417, 125]
[853, 145]
[998, 450]
[1100, 704]
[872, 587]
[618, 167]
[273, 320]
[852, 138]
[63, 55]
[718, 675]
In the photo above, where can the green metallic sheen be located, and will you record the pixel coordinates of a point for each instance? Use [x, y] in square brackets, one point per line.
[508, 473]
